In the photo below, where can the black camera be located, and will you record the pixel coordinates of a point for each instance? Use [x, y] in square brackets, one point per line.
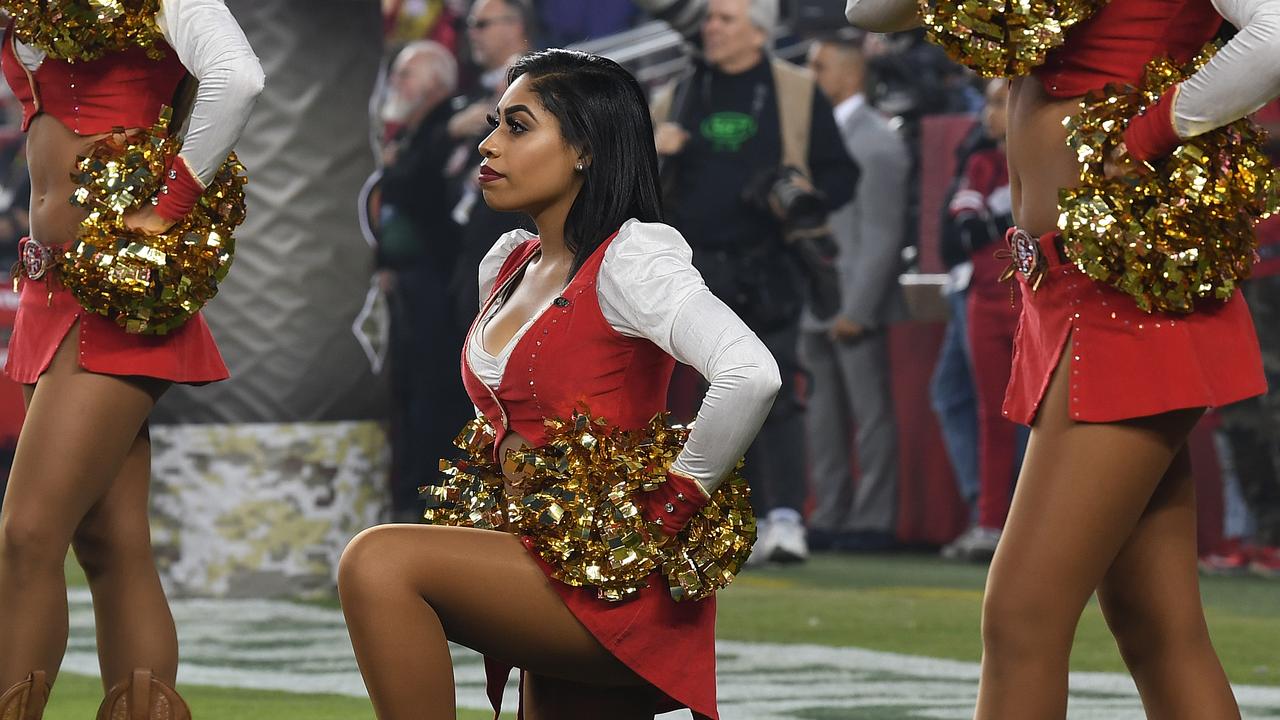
[787, 195]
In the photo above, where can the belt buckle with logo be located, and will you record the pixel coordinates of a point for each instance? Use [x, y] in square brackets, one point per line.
[1028, 257]
[36, 259]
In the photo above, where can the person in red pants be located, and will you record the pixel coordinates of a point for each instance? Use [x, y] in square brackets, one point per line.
[980, 211]
[1251, 428]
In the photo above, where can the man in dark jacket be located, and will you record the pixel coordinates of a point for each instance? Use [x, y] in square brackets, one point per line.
[725, 132]
[417, 250]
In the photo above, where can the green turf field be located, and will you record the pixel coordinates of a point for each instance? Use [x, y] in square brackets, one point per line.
[921, 605]
[906, 604]
[76, 697]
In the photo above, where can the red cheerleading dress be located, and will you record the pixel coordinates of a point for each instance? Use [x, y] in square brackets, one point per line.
[572, 356]
[1126, 363]
[124, 89]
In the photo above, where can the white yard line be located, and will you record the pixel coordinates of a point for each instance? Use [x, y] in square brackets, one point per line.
[274, 645]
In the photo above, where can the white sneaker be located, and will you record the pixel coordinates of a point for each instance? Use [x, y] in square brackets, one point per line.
[788, 544]
[763, 547]
[977, 544]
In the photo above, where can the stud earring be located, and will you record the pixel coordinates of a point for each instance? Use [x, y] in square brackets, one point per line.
[580, 167]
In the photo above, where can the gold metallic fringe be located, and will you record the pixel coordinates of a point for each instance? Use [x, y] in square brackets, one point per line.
[148, 284]
[1002, 38]
[83, 30]
[1184, 230]
[579, 506]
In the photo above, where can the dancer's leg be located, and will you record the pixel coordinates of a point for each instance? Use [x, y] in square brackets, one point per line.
[408, 589]
[1151, 599]
[113, 544]
[79, 429]
[1082, 492]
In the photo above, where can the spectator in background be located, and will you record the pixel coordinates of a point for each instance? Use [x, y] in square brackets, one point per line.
[15, 181]
[498, 32]
[954, 401]
[15, 194]
[735, 121]
[565, 22]
[909, 79]
[980, 211]
[847, 356]
[1251, 428]
[913, 77]
[417, 250]
[407, 20]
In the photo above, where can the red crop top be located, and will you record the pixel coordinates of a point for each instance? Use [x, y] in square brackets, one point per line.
[122, 89]
[1116, 43]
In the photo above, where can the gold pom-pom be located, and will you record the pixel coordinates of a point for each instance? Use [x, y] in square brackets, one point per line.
[1002, 38]
[579, 505]
[471, 492]
[148, 284]
[83, 30]
[1184, 230]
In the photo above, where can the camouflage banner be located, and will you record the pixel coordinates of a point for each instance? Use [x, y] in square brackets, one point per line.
[262, 510]
[260, 481]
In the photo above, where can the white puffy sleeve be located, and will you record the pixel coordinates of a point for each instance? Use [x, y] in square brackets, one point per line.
[214, 50]
[491, 264]
[1242, 77]
[649, 288]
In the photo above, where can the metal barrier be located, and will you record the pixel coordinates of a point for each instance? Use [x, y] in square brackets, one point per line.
[655, 53]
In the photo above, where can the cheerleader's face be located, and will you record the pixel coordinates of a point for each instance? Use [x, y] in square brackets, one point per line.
[528, 167]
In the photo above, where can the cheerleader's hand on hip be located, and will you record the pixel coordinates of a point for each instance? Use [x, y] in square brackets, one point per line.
[672, 504]
[516, 482]
[1120, 163]
[147, 221]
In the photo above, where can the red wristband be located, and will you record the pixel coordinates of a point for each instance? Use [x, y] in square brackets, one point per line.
[1151, 135]
[673, 503]
[180, 192]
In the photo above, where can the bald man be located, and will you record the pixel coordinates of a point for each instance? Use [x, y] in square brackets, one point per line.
[417, 246]
[847, 355]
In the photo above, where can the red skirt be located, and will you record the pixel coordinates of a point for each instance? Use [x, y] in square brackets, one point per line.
[47, 311]
[670, 644]
[1126, 363]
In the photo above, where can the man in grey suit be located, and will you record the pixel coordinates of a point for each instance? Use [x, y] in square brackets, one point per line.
[847, 356]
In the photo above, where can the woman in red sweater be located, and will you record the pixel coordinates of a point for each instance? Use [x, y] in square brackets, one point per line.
[591, 312]
[1106, 500]
[82, 467]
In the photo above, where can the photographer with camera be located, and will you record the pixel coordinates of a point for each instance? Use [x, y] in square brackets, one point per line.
[753, 162]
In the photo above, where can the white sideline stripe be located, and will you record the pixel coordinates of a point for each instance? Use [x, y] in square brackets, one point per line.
[282, 646]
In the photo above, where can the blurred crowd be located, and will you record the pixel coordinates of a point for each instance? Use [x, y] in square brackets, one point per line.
[15, 182]
[799, 193]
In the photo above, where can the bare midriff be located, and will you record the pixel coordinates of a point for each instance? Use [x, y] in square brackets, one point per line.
[1040, 163]
[52, 151]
